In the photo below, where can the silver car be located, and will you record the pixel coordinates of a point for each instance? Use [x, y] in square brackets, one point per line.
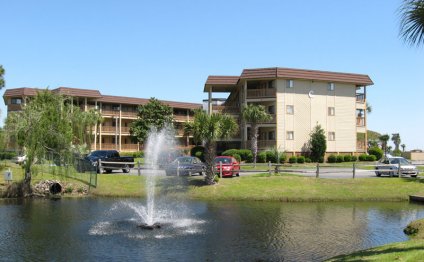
[390, 165]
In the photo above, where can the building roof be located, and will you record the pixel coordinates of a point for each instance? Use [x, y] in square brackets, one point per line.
[221, 83]
[78, 92]
[290, 73]
[228, 83]
[96, 95]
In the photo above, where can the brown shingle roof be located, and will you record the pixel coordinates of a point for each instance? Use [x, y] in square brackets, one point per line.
[23, 91]
[221, 83]
[143, 101]
[77, 92]
[276, 72]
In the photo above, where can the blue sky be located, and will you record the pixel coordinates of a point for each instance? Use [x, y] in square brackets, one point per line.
[166, 49]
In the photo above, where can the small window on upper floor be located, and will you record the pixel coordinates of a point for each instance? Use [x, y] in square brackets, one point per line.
[290, 109]
[271, 110]
[290, 83]
[331, 111]
[331, 86]
[331, 136]
[290, 135]
[115, 107]
[16, 101]
[271, 135]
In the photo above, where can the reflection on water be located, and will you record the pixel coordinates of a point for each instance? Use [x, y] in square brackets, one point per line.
[106, 229]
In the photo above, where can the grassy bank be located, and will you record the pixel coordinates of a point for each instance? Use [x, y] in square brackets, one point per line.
[412, 250]
[266, 188]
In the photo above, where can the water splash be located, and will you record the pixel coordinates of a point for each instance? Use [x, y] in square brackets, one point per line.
[158, 146]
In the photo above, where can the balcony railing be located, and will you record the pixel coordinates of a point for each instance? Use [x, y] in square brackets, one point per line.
[360, 121]
[259, 93]
[266, 143]
[273, 120]
[109, 129]
[360, 98]
[227, 109]
[360, 146]
[180, 118]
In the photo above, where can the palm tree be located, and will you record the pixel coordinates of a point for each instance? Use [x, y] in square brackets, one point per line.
[369, 108]
[403, 147]
[254, 114]
[207, 129]
[396, 140]
[412, 21]
[1, 77]
[384, 139]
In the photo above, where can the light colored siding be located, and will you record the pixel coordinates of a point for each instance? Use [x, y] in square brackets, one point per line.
[345, 118]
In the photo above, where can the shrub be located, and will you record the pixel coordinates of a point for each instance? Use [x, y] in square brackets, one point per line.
[237, 157]
[80, 190]
[362, 157]
[271, 156]
[282, 158]
[199, 155]
[245, 155]
[301, 159]
[340, 159]
[332, 159]
[371, 158]
[293, 160]
[308, 160]
[69, 189]
[353, 158]
[261, 157]
[249, 158]
[230, 152]
[397, 152]
[196, 149]
[376, 151]
[347, 158]
[216, 179]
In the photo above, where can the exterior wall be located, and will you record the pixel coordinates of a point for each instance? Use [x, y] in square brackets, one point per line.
[310, 110]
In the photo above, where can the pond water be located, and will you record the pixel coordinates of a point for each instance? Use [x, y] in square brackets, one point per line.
[104, 229]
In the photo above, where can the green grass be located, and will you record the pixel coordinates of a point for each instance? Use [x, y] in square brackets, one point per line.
[412, 250]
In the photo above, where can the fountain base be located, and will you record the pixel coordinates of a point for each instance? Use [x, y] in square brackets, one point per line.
[149, 227]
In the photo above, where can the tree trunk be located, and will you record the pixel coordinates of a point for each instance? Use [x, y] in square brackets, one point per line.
[209, 159]
[26, 184]
[254, 142]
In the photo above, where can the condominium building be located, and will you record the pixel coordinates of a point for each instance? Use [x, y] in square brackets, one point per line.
[118, 113]
[297, 100]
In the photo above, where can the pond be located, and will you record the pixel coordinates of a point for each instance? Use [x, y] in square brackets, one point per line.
[105, 229]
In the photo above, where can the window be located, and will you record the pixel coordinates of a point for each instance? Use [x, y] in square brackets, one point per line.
[330, 86]
[271, 135]
[290, 84]
[331, 111]
[113, 140]
[290, 135]
[331, 136]
[16, 101]
[115, 107]
[290, 109]
[271, 110]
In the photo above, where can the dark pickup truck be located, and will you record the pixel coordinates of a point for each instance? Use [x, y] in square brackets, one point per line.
[110, 160]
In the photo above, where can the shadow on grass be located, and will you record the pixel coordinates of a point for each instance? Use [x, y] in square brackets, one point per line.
[174, 184]
[373, 254]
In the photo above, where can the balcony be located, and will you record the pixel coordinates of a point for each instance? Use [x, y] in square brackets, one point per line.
[109, 129]
[261, 93]
[360, 121]
[130, 114]
[360, 98]
[273, 120]
[226, 109]
[181, 118]
[360, 146]
[263, 144]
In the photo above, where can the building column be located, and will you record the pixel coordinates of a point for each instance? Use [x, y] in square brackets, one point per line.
[120, 128]
[244, 124]
[95, 130]
[100, 128]
[365, 119]
[210, 101]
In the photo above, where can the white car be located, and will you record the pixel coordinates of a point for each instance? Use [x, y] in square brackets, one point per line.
[390, 165]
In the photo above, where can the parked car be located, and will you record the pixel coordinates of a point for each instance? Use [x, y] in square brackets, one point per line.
[19, 159]
[390, 165]
[185, 166]
[110, 160]
[230, 166]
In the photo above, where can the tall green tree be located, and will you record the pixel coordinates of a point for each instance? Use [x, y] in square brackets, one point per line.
[49, 124]
[207, 129]
[154, 114]
[317, 144]
[412, 21]
[255, 114]
[403, 147]
[384, 139]
[396, 140]
[1, 77]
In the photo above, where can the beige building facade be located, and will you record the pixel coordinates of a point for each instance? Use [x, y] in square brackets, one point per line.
[118, 113]
[298, 100]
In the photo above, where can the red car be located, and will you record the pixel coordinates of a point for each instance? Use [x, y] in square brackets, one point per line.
[230, 166]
